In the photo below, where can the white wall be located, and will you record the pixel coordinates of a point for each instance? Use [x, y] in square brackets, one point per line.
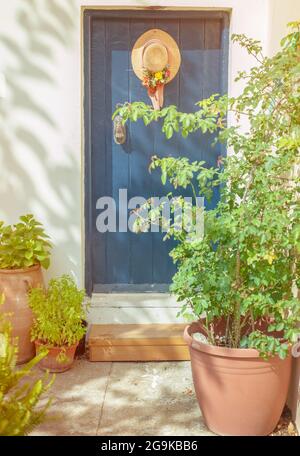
[40, 137]
[280, 13]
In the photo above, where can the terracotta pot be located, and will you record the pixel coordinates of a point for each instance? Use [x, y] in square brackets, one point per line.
[238, 392]
[51, 361]
[15, 283]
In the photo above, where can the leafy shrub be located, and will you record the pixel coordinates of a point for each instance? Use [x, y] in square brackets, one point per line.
[24, 244]
[58, 312]
[244, 269]
[19, 399]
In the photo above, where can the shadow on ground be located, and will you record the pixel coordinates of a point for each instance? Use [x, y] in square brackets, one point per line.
[110, 399]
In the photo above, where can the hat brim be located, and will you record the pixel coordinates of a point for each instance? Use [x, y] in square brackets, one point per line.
[169, 43]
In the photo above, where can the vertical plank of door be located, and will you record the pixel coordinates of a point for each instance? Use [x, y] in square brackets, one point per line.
[192, 41]
[212, 84]
[98, 146]
[212, 56]
[192, 81]
[163, 267]
[117, 91]
[225, 38]
[140, 179]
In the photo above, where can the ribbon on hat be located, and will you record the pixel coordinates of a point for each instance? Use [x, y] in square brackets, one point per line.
[155, 81]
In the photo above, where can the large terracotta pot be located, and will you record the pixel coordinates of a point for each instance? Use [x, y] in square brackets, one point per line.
[239, 393]
[15, 283]
[51, 361]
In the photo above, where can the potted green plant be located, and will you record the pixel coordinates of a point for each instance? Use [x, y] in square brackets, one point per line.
[238, 280]
[20, 399]
[24, 250]
[58, 326]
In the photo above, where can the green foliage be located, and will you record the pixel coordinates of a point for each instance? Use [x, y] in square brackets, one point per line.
[20, 411]
[58, 312]
[24, 244]
[244, 268]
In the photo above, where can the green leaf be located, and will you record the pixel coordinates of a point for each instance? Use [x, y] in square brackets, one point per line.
[45, 263]
[280, 326]
[164, 177]
[28, 254]
[169, 132]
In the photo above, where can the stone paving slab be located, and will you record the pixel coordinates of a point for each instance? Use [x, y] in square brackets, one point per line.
[151, 399]
[124, 399]
[78, 396]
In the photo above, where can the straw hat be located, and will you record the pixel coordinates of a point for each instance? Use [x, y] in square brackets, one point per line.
[153, 51]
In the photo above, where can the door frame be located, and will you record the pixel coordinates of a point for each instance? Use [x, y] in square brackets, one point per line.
[88, 14]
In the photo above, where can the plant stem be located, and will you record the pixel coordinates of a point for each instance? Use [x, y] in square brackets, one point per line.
[236, 325]
[194, 192]
[227, 330]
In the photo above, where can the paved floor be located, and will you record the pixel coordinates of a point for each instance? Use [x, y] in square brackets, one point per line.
[124, 399]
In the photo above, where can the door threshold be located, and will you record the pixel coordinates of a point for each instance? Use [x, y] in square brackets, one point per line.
[130, 308]
[131, 288]
[160, 300]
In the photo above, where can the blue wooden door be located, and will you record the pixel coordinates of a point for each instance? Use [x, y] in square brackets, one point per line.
[124, 261]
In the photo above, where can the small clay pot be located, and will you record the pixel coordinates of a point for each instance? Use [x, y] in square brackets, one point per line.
[14, 284]
[52, 362]
[238, 392]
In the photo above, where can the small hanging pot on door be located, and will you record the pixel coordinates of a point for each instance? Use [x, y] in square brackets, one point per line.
[119, 130]
[155, 60]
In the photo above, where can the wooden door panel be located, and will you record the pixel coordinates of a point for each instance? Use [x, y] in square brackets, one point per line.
[124, 260]
[117, 90]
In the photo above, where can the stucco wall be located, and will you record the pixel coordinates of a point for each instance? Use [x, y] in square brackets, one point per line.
[280, 13]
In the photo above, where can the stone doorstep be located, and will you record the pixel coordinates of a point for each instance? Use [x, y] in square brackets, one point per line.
[133, 308]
